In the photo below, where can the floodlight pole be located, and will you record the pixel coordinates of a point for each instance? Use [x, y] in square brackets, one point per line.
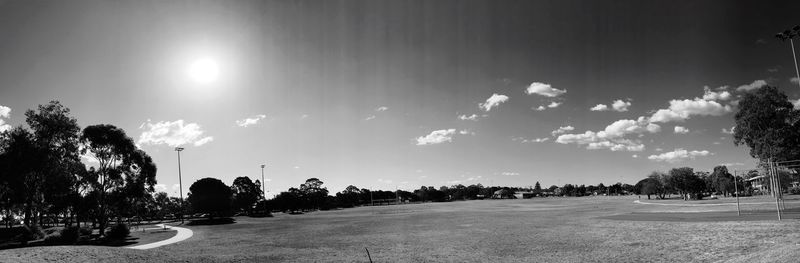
[180, 181]
[736, 187]
[263, 187]
[790, 34]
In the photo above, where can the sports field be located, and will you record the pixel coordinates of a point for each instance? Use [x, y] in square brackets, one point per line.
[593, 229]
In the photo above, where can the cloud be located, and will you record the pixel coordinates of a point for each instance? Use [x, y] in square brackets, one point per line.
[540, 108]
[599, 107]
[681, 130]
[714, 95]
[5, 112]
[250, 121]
[678, 155]
[89, 158]
[728, 131]
[761, 41]
[385, 181]
[304, 116]
[160, 187]
[509, 173]
[370, 117]
[620, 105]
[523, 140]
[681, 110]
[731, 164]
[554, 104]
[796, 103]
[635, 156]
[466, 132]
[381, 108]
[561, 130]
[493, 101]
[174, 133]
[473, 117]
[794, 80]
[755, 85]
[437, 137]
[544, 90]
[773, 70]
[611, 137]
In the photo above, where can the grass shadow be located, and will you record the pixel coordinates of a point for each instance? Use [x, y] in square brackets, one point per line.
[211, 221]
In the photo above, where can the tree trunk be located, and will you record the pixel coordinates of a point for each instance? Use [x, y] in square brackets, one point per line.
[648, 196]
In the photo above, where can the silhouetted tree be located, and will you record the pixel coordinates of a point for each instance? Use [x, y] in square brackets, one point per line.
[245, 193]
[212, 196]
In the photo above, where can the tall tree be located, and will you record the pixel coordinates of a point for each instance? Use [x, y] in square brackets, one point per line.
[245, 193]
[313, 193]
[768, 124]
[122, 169]
[537, 187]
[212, 196]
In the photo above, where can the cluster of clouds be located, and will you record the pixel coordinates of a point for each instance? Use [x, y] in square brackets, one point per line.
[441, 136]
[250, 121]
[378, 109]
[172, 133]
[5, 113]
[617, 105]
[678, 155]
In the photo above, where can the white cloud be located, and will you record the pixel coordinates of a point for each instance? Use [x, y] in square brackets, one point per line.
[544, 90]
[89, 158]
[611, 137]
[523, 140]
[755, 85]
[540, 108]
[304, 116]
[473, 117]
[681, 130]
[541, 139]
[160, 187]
[381, 108]
[466, 132]
[370, 117]
[5, 112]
[635, 156]
[493, 101]
[678, 155]
[174, 133]
[796, 103]
[728, 131]
[509, 173]
[794, 80]
[554, 104]
[250, 121]
[561, 130]
[436, 137]
[620, 105]
[681, 110]
[731, 164]
[599, 107]
[385, 181]
[715, 95]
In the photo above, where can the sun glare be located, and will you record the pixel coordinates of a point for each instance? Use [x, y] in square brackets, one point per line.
[204, 70]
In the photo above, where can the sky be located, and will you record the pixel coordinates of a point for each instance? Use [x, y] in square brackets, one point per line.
[400, 94]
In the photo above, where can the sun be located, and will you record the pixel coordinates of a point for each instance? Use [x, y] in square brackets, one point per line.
[204, 70]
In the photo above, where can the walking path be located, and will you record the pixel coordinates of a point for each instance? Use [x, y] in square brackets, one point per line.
[183, 234]
[720, 204]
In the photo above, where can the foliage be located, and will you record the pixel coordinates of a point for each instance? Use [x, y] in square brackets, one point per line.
[118, 231]
[70, 234]
[768, 124]
[212, 196]
[245, 193]
[32, 232]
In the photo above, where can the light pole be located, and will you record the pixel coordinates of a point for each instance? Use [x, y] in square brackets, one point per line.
[790, 34]
[180, 183]
[263, 187]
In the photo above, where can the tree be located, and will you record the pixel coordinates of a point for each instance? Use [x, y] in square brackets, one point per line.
[768, 124]
[649, 186]
[124, 173]
[245, 194]
[314, 194]
[537, 188]
[212, 196]
[686, 182]
[20, 161]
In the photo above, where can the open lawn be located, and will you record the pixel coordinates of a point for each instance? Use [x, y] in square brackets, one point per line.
[594, 229]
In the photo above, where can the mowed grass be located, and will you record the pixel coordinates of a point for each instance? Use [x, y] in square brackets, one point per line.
[592, 229]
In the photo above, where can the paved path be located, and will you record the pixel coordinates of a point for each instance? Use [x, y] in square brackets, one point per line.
[720, 204]
[183, 234]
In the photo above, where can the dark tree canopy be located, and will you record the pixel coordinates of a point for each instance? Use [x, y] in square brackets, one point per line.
[212, 196]
[245, 193]
[768, 124]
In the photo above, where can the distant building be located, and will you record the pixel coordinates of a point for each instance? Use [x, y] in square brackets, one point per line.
[503, 194]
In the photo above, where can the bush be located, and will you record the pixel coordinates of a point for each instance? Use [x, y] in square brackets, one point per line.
[70, 235]
[794, 190]
[53, 238]
[31, 233]
[118, 232]
[86, 231]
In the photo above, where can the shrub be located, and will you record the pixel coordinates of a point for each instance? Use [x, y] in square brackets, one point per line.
[118, 232]
[53, 238]
[31, 233]
[70, 235]
[86, 231]
[794, 190]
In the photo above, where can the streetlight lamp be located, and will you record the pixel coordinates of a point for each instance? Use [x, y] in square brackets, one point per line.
[180, 183]
[790, 34]
[263, 187]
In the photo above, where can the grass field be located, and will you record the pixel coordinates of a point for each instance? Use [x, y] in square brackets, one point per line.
[594, 229]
